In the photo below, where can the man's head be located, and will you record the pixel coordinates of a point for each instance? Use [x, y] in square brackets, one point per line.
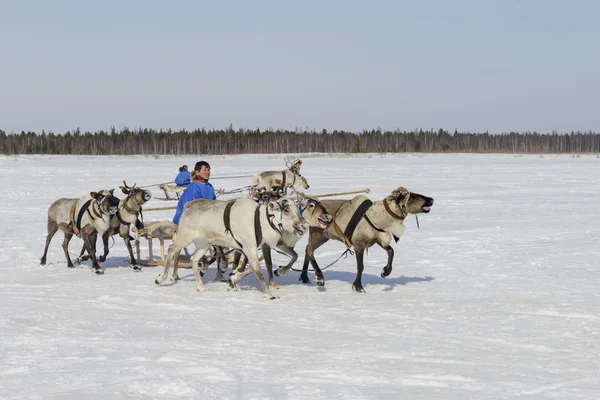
[203, 169]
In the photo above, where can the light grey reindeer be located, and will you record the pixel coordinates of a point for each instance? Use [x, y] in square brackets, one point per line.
[364, 223]
[128, 213]
[85, 217]
[315, 215]
[240, 224]
[280, 180]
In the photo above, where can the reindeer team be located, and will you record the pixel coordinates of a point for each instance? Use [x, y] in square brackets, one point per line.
[269, 218]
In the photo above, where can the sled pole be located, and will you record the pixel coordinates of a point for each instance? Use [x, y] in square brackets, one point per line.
[367, 190]
[159, 208]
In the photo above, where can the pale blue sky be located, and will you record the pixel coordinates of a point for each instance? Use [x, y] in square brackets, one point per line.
[496, 65]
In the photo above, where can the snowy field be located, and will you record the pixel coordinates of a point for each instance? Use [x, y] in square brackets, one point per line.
[497, 296]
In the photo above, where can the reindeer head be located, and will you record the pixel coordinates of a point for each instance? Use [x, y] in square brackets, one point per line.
[106, 202]
[140, 195]
[287, 215]
[313, 211]
[410, 203]
[293, 164]
[300, 181]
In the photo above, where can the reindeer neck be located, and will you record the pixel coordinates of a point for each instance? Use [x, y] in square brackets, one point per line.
[381, 217]
[131, 210]
[269, 226]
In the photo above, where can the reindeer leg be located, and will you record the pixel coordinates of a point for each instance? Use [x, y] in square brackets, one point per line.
[255, 266]
[387, 270]
[315, 240]
[294, 256]
[52, 229]
[175, 276]
[357, 285]
[202, 247]
[266, 251]
[90, 243]
[222, 264]
[174, 248]
[105, 237]
[65, 247]
[240, 272]
[82, 257]
[134, 264]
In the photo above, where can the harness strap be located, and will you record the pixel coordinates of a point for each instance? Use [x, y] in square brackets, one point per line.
[283, 174]
[270, 219]
[356, 217]
[337, 229]
[96, 214]
[389, 210]
[72, 218]
[82, 210]
[118, 214]
[257, 227]
[227, 222]
[372, 224]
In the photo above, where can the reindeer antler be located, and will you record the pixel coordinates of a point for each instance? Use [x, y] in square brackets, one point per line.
[125, 188]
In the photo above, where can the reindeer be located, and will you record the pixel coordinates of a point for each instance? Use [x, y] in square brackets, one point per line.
[315, 215]
[280, 180]
[130, 208]
[293, 164]
[239, 224]
[365, 223]
[86, 217]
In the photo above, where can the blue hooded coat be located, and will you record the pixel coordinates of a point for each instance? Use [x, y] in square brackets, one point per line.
[183, 178]
[196, 190]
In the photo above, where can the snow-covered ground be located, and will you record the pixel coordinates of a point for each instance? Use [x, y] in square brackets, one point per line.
[497, 296]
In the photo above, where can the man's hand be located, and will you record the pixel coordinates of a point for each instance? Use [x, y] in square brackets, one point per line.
[219, 192]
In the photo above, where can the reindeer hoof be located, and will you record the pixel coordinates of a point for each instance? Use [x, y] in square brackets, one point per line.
[385, 273]
[358, 288]
[102, 258]
[304, 279]
[70, 266]
[320, 281]
[99, 271]
[136, 268]
[43, 261]
[276, 272]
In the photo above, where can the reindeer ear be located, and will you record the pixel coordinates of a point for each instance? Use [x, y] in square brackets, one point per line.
[400, 193]
[111, 191]
[125, 190]
[94, 195]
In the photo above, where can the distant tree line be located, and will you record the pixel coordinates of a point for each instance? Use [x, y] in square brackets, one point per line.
[240, 141]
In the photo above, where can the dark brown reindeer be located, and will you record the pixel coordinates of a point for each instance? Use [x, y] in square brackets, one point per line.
[85, 217]
[364, 224]
[128, 213]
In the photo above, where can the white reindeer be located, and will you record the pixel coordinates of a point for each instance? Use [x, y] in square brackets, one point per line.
[250, 226]
[280, 180]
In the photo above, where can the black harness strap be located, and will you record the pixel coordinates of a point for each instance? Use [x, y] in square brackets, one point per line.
[118, 214]
[372, 224]
[283, 174]
[227, 222]
[257, 227]
[82, 211]
[358, 214]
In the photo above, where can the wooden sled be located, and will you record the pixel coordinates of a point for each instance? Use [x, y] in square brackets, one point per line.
[165, 230]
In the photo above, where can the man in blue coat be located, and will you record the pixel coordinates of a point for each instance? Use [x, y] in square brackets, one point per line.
[183, 178]
[198, 189]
